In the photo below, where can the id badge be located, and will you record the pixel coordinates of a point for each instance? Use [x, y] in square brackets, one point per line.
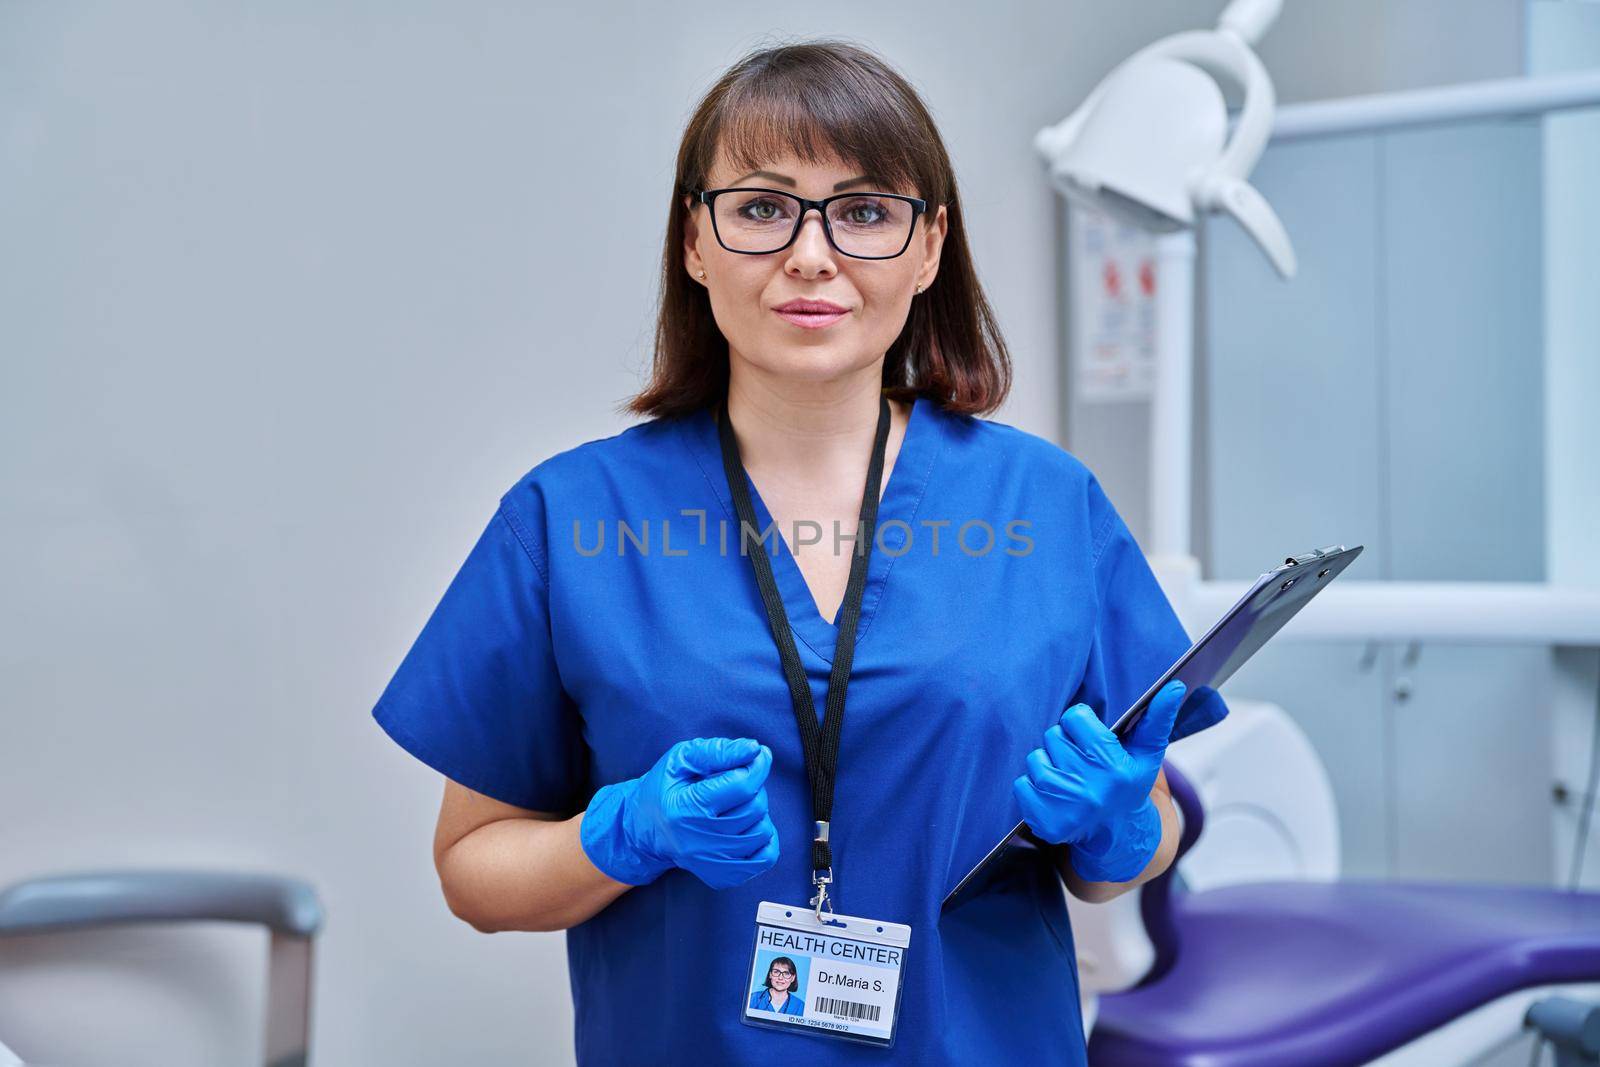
[837, 976]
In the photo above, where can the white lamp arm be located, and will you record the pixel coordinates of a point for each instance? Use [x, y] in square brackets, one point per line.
[1250, 19]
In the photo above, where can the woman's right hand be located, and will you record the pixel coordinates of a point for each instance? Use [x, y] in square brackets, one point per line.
[702, 807]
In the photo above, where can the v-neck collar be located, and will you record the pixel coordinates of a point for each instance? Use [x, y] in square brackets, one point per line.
[902, 496]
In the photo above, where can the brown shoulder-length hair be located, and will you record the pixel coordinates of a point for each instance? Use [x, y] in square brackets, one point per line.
[827, 99]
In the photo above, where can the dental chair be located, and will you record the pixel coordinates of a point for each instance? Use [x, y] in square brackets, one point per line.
[288, 908]
[1292, 965]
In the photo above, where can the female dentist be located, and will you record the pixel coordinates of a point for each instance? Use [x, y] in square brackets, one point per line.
[778, 992]
[636, 683]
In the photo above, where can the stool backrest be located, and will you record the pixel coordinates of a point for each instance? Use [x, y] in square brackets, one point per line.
[287, 907]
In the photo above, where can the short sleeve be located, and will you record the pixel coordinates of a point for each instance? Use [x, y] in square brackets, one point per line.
[1137, 634]
[478, 697]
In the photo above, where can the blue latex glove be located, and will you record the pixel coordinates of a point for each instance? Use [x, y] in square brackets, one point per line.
[702, 807]
[1088, 789]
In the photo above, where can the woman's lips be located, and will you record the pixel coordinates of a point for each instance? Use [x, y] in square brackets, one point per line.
[812, 320]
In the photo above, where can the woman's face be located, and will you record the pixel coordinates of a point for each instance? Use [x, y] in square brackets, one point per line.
[780, 978]
[745, 290]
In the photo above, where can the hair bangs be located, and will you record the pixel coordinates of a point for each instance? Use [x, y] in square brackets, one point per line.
[788, 110]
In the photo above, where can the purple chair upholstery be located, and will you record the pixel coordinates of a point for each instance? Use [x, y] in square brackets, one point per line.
[1321, 974]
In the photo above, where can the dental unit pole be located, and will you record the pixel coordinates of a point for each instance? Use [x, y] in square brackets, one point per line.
[1172, 414]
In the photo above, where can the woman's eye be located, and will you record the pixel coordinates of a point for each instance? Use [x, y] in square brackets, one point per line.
[762, 210]
[862, 213]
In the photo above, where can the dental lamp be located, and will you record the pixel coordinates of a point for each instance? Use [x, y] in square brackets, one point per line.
[1150, 146]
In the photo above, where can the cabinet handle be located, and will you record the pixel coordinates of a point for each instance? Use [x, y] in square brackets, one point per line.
[1369, 656]
[1402, 685]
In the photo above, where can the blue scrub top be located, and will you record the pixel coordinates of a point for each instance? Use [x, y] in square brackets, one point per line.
[762, 999]
[598, 620]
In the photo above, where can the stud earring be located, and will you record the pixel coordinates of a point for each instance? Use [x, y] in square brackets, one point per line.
[919, 288]
[702, 274]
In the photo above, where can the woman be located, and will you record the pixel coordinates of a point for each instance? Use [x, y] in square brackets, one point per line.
[778, 992]
[609, 683]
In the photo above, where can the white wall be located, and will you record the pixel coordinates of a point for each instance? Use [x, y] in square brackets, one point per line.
[288, 295]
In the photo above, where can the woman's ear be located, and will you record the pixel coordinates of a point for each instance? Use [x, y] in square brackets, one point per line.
[691, 239]
[932, 245]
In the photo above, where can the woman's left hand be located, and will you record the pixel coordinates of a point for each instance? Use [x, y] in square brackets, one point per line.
[1091, 790]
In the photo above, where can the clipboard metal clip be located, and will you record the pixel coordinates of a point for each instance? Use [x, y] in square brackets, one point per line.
[1315, 553]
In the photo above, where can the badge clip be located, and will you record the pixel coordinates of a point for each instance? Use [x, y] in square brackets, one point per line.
[820, 900]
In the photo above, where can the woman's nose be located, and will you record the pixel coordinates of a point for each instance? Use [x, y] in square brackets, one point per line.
[811, 242]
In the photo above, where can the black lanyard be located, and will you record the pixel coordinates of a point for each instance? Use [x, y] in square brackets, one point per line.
[821, 744]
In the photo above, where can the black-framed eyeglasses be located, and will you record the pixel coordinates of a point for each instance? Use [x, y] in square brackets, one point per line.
[757, 222]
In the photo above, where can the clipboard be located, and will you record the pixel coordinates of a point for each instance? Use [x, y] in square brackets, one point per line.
[1275, 598]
